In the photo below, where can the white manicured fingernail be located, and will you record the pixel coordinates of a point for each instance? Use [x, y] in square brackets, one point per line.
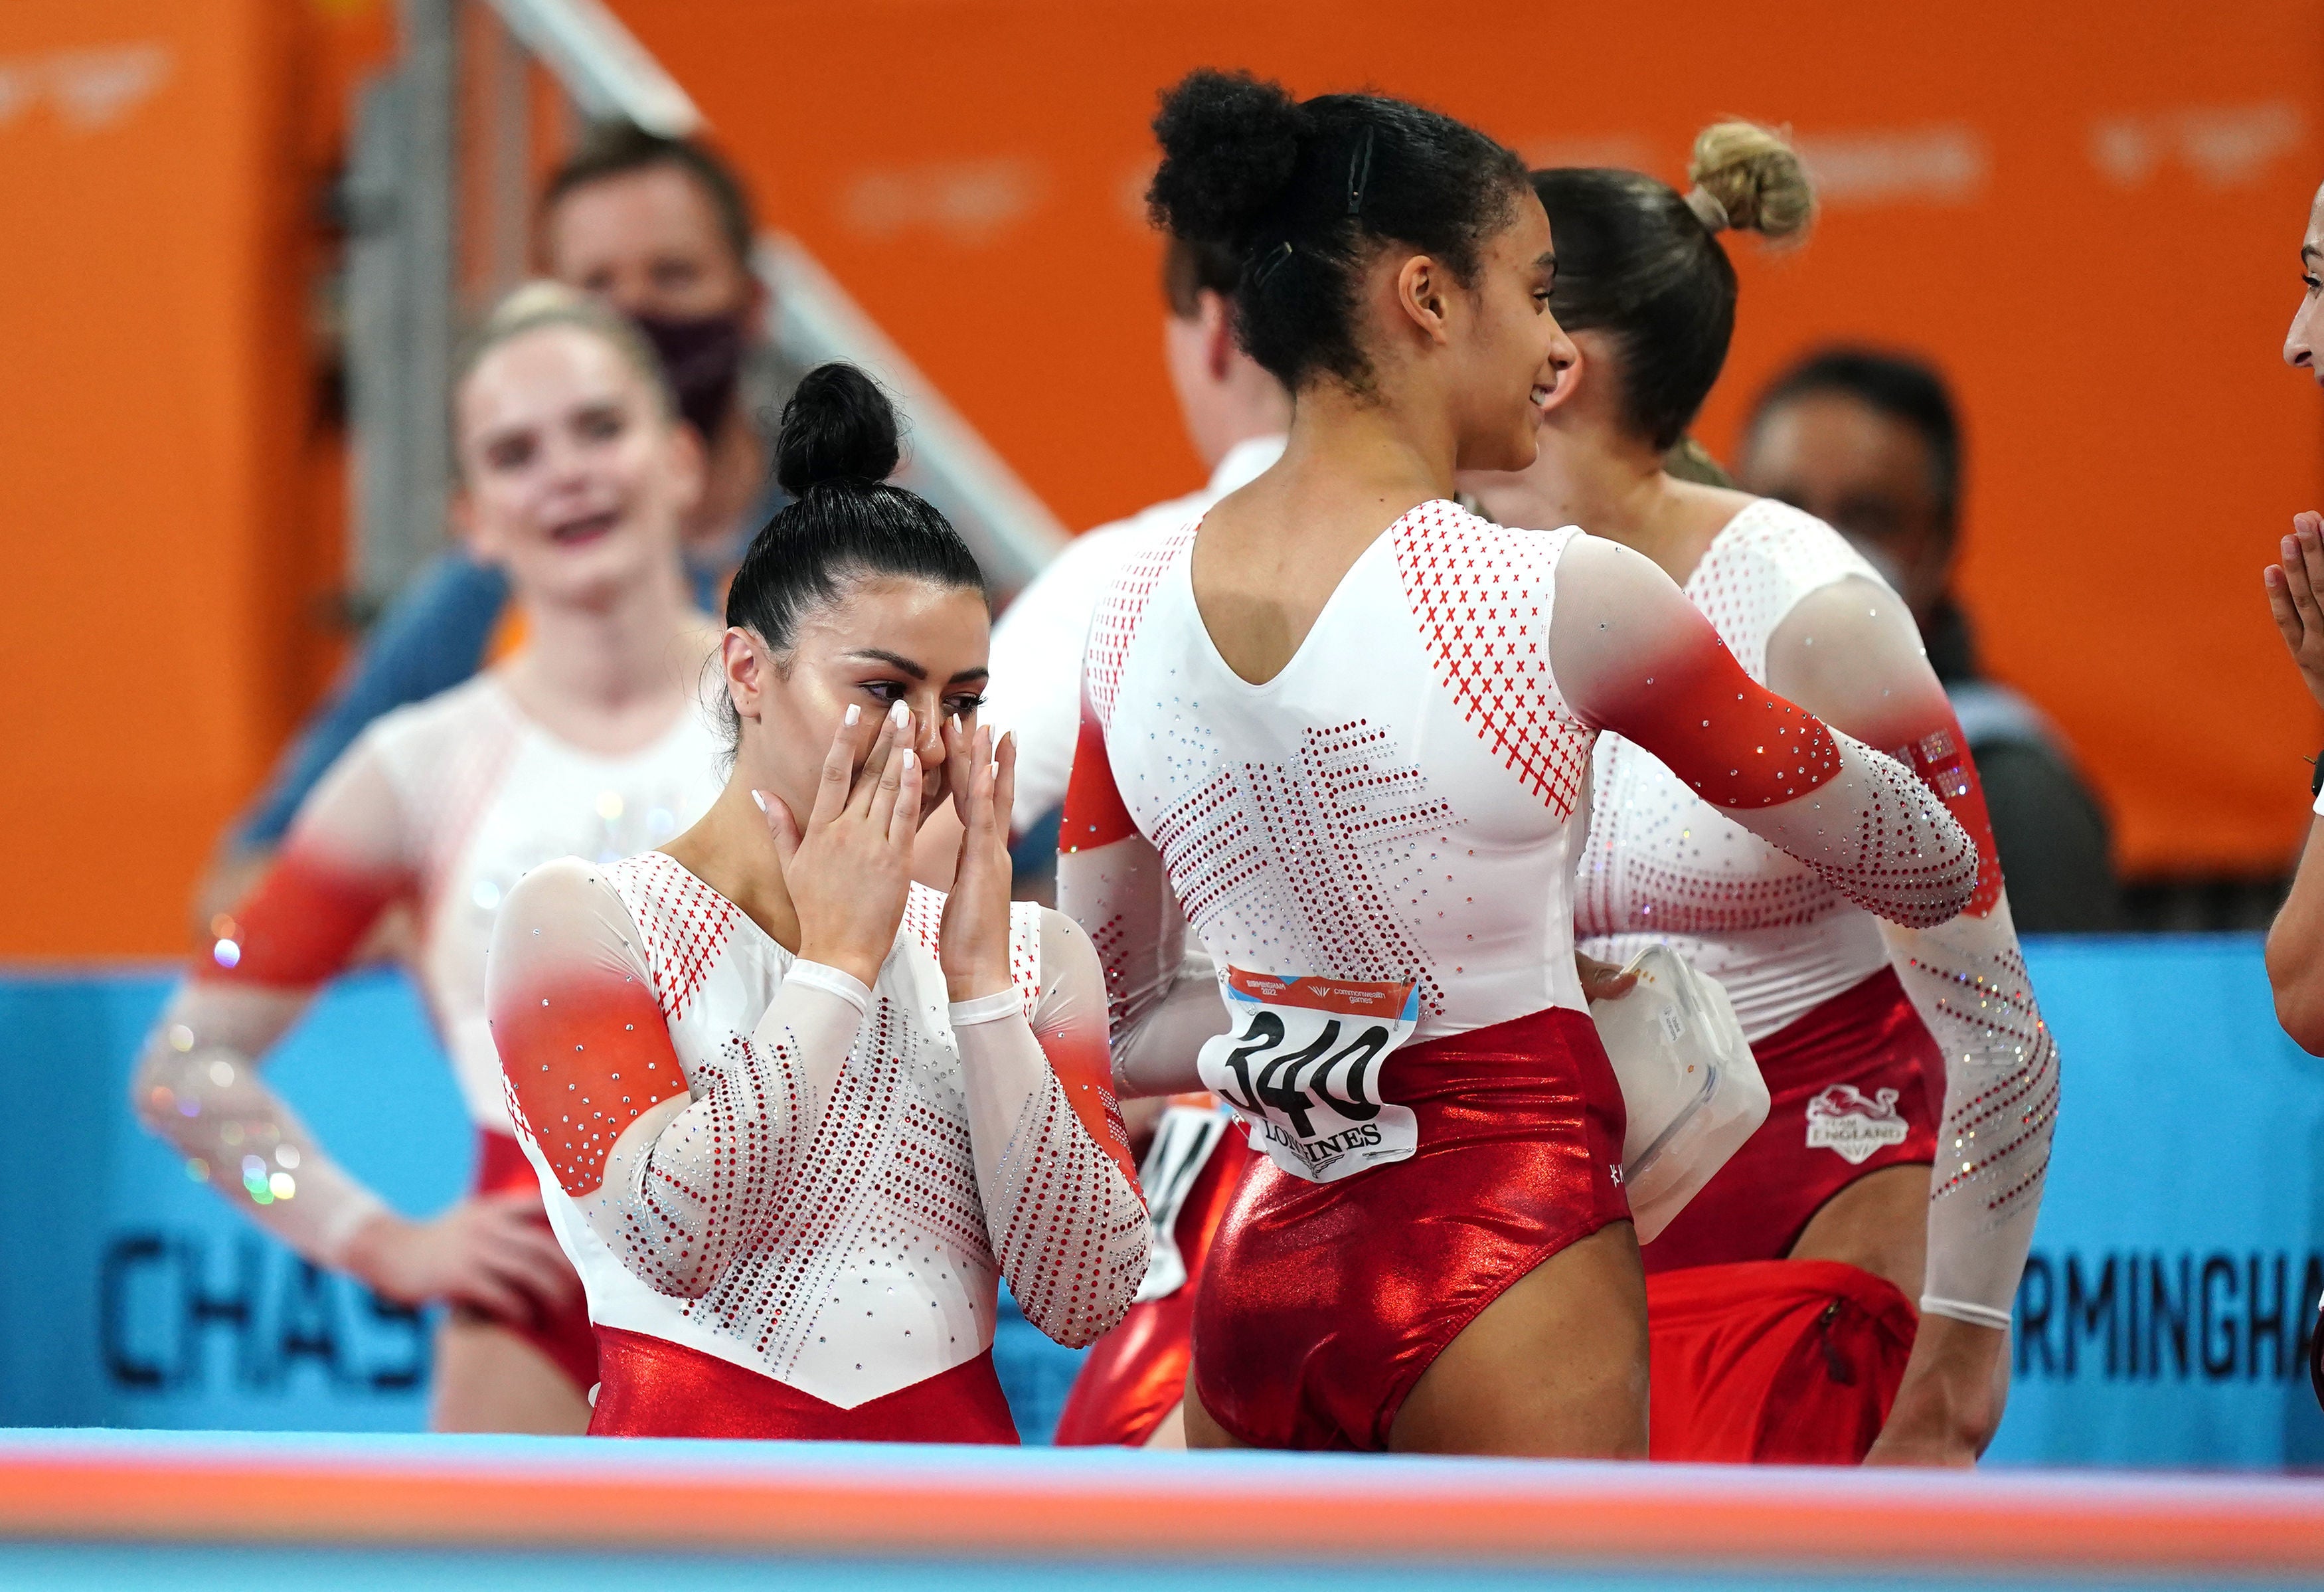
[899, 716]
[909, 760]
[760, 798]
[855, 715]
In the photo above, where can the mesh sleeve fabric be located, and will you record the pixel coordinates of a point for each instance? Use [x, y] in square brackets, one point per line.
[431, 638]
[1162, 993]
[1853, 648]
[1967, 980]
[1633, 655]
[680, 1177]
[1062, 1204]
[197, 1083]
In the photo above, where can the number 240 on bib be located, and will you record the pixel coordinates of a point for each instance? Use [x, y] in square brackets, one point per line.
[1302, 1063]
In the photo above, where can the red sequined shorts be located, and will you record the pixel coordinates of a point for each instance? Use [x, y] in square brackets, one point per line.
[653, 1387]
[1137, 1373]
[1324, 1304]
[1850, 1088]
[562, 1332]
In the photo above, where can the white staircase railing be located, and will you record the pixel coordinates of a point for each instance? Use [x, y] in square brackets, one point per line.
[411, 199]
[601, 64]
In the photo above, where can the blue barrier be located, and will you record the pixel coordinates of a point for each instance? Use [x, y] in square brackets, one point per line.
[2167, 1310]
[131, 1296]
[2164, 1319]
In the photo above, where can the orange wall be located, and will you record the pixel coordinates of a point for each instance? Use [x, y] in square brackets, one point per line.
[169, 508]
[2099, 244]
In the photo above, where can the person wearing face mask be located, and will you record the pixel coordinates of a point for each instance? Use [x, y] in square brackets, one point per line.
[797, 1114]
[660, 229]
[1341, 728]
[1782, 1299]
[1868, 442]
[576, 476]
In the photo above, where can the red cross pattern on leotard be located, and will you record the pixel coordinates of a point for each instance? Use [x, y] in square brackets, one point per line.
[1482, 600]
[685, 925]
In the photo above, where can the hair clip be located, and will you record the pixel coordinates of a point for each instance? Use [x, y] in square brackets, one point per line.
[1359, 172]
[1273, 261]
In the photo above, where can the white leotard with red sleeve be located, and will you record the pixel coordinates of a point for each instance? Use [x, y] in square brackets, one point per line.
[757, 1158]
[1397, 803]
[1663, 865]
[443, 806]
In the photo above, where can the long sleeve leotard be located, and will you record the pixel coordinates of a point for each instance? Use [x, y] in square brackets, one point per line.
[758, 1158]
[1802, 611]
[441, 807]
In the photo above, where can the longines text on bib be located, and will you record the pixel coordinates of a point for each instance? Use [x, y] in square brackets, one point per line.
[1302, 1062]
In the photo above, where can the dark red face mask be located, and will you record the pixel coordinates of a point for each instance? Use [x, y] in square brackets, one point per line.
[702, 361]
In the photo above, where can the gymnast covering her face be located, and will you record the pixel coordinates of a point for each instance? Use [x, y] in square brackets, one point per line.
[796, 1114]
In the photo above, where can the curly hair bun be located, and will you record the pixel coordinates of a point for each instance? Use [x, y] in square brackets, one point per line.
[1755, 176]
[1230, 144]
[838, 426]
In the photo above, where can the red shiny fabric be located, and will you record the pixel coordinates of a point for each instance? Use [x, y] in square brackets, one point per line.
[1324, 1302]
[1774, 1362]
[1868, 1037]
[562, 1332]
[656, 1388]
[1137, 1373]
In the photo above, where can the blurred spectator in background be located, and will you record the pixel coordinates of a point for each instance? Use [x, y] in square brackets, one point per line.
[661, 228]
[1236, 416]
[593, 737]
[1869, 443]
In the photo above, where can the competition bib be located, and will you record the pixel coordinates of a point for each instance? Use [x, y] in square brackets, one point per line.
[1183, 1144]
[1300, 1063]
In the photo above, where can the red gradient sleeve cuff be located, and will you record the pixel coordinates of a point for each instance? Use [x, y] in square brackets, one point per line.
[1094, 814]
[301, 923]
[583, 1057]
[1733, 740]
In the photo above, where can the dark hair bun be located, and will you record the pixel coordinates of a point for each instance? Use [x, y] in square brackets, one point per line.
[1230, 144]
[838, 426]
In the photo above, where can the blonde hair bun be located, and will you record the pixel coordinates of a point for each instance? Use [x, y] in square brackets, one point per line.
[534, 305]
[531, 300]
[1755, 176]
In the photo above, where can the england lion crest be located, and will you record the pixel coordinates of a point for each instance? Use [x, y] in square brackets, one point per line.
[1843, 1121]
